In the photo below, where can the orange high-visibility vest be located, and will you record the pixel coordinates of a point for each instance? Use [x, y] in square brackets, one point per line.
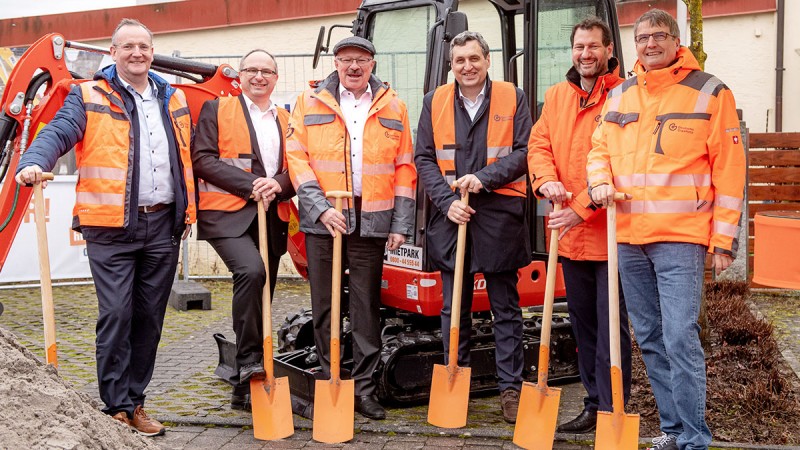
[499, 136]
[105, 156]
[235, 149]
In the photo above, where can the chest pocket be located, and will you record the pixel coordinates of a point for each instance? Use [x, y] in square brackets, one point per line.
[682, 136]
[627, 136]
[393, 128]
[330, 138]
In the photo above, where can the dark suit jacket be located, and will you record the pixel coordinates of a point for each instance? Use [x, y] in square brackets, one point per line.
[206, 165]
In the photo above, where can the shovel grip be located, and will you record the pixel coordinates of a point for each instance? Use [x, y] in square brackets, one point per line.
[48, 310]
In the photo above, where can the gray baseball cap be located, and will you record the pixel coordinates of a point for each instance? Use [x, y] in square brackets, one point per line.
[357, 42]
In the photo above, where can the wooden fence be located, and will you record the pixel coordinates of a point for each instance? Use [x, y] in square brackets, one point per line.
[773, 178]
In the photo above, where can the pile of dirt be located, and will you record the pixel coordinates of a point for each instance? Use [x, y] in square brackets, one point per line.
[40, 410]
[752, 395]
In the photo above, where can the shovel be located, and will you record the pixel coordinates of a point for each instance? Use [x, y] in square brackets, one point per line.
[48, 311]
[538, 403]
[334, 399]
[615, 430]
[449, 399]
[271, 403]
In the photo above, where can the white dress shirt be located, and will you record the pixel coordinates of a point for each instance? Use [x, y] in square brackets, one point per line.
[155, 174]
[355, 112]
[265, 124]
[473, 107]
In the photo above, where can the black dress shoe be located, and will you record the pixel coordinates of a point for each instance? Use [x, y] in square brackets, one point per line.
[584, 423]
[251, 370]
[241, 402]
[369, 407]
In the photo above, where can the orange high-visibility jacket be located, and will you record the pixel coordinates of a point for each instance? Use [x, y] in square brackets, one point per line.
[499, 136]
[104, 172]
[318, 155]
[560, 141]
[671, 138]
[235, 149]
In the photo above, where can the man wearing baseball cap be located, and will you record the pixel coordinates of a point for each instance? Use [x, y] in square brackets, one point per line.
[350, 132]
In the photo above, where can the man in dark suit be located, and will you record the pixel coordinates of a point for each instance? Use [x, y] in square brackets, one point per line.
[238, 157]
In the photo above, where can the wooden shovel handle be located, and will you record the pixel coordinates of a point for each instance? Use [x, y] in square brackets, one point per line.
[266, 298]
[617, 398]
[336, 286]
[455, 302]
[48, 310]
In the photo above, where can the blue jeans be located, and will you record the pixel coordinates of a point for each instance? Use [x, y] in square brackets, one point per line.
[663, 285]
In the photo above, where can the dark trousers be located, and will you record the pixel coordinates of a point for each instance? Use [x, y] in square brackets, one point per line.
[364, 257]
[587, 300]
[133, 281]
[507, 325]
[243, 260]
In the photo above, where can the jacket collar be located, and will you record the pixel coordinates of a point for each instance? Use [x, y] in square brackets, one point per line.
[109, 74]
[602, 85]
[327, 91]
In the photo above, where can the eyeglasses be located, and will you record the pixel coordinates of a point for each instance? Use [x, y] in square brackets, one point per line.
[661, 36]
[360, 61]
[266, 73]
[144, 48]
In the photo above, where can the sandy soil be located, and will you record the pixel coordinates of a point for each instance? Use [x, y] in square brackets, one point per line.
[42, 411]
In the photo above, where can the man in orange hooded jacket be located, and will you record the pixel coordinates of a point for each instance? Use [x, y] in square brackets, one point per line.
[559, 144]
[670, 138]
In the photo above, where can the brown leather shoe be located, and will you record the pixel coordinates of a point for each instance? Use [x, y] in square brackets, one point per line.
[146, 425]
[509, 402]
[122, 417]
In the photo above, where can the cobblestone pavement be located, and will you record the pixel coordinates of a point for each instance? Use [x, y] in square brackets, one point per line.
[194, 403]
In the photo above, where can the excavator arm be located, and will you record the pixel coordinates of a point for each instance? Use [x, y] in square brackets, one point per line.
[35, 91]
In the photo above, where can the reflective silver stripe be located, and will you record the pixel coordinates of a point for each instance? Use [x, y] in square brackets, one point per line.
[205, 186]
[188, 173]
[103, 173]
[727, 229]
[241, 163]
[498, 152]
[596, 166]
[98, 198]
[326, 166]
[662, 207]
[404, 158]
[662, 179]
[305, 177]
[377, 205]
[293, 145]
[450, 179]
[702, 102]
[402, 191]
[729, 202]
[613, 102]
[378, 169]
[447, 154]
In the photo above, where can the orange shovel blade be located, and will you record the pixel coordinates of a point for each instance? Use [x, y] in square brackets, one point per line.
[617, 431]
[334, 410]
[272, 409]
[537, 416]
[449, 396]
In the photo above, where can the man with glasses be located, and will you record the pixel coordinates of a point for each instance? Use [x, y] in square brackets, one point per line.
[475, 131]
[238, 156]
[670, 137]
[134, 202]
[350, 132]
[560, 141]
